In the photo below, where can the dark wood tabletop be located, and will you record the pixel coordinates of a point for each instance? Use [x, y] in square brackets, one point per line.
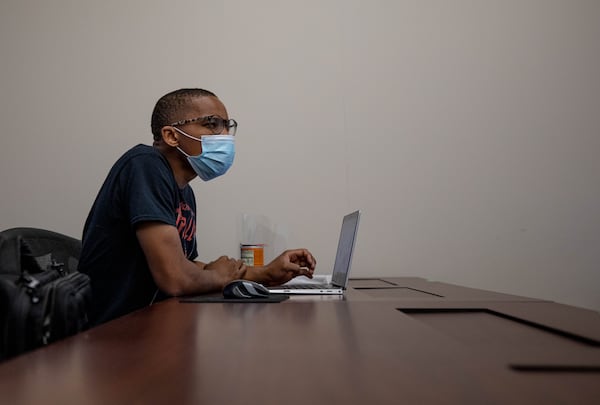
[429, 343]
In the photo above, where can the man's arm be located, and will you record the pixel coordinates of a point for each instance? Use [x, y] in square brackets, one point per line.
[174, 273]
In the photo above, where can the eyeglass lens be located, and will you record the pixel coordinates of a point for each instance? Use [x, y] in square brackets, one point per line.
[217, 124]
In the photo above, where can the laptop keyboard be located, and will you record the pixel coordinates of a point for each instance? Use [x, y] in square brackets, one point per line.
[308, 286]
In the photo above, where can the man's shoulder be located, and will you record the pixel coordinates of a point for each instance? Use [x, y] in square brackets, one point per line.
[142, 155]
[141, 150]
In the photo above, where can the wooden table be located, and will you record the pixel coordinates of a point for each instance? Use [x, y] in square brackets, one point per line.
[388, 341]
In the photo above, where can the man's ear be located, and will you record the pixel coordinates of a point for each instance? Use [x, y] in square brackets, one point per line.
[169, 136]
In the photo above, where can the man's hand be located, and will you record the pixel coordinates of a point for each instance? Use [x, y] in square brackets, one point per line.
[289, 264]
[227, 269]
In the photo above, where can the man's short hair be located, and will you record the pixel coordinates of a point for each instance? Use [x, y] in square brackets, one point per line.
[170, 105]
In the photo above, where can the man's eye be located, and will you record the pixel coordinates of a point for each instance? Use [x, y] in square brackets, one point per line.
[211, 122]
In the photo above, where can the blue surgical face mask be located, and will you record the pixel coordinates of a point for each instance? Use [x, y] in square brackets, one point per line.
[216, 158]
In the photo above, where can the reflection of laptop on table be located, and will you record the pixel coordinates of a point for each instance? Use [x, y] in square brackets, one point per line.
[341, 268]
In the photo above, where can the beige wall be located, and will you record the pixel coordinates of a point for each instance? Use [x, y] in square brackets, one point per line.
[468, 132]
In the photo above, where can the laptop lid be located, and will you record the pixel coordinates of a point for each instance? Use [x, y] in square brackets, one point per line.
[345, 250]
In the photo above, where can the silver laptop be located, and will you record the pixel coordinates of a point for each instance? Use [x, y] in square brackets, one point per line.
[341, 268]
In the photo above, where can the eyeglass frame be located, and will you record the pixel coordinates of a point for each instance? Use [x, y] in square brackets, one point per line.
[225, 123]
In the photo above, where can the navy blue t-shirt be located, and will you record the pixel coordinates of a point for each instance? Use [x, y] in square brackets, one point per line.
[140, 187]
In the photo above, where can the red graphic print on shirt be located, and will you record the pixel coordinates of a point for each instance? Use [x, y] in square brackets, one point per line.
[186, 226]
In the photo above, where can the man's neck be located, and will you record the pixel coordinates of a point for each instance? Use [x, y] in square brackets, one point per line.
[183, 175]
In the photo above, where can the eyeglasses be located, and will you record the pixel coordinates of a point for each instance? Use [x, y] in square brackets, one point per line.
[213, 123]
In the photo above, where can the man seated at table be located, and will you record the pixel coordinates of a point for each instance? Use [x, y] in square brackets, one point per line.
[139, 240]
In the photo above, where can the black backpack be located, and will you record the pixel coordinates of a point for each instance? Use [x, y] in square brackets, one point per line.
[42, 296]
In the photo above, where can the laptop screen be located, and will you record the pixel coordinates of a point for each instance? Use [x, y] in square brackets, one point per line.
[343, 257]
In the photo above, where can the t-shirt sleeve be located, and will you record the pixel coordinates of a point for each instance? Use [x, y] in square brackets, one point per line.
[148, 192]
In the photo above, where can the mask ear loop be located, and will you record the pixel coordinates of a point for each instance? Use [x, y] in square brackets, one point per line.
[153, 298]
[189, 136]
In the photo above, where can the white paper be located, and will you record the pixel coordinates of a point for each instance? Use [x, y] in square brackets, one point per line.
[317, 279]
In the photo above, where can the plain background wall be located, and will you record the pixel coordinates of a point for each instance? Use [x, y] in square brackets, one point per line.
[468, 132]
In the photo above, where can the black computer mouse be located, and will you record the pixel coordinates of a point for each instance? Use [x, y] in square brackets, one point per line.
[245, 289]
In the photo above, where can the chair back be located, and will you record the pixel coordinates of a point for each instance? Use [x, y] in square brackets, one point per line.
[45, 246]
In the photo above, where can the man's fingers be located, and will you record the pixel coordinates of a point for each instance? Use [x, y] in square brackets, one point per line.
[238, 268]
[303, 258]
[305, 271]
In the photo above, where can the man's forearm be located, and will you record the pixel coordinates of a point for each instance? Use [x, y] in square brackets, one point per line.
[259, 274]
